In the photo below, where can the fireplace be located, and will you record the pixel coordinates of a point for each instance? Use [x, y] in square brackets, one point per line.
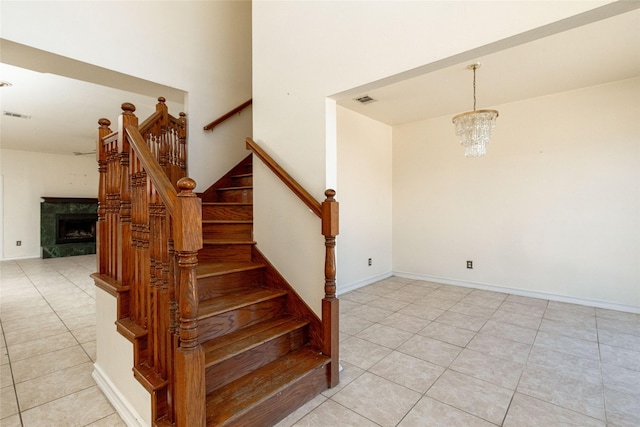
[75, 228]
[68, 226]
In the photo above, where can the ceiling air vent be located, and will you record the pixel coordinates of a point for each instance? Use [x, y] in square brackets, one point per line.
[365, 99]
[17, 115]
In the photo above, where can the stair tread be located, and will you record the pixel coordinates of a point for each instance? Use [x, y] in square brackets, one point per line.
[227, 221]
[219, 268]
[240, 187]
[237, 300]
[227, 346]
[240, 395]
[228, 242]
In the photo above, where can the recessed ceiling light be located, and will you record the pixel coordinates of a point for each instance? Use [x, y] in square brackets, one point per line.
[5, 84]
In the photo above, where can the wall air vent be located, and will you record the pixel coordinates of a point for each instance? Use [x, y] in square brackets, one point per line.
[366, 99]
[17, 115]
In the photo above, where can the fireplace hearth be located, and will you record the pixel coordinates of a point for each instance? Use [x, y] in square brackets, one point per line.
[68, 226]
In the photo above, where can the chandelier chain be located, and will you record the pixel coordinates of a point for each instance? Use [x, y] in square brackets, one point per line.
[474, 88]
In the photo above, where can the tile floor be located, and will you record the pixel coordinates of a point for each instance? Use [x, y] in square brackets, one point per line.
[414, 353]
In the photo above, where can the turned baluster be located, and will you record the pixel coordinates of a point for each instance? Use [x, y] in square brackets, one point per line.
[330, 312]
[102, 248]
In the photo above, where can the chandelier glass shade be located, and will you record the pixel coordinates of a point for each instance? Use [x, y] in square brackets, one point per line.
[474, 127]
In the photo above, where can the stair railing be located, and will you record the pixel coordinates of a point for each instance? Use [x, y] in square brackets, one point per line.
[228, 115]
[327, 211]
[148, 237]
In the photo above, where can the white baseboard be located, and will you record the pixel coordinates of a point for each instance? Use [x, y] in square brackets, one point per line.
[128, 414]
[521, 292]
[361, 283]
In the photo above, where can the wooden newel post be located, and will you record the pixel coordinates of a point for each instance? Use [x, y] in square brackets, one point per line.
[190, 378]
[101, 231]
[125, 255]
[330, 308]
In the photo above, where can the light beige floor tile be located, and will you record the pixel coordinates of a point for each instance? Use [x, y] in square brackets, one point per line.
[347, 375]
[492, 302]
[388, 304]
[574, 330]
[297, 415]
[45, 364]
[408, 371]
[431, 350]
[332, 414]
[406, 323]
[77, 409]
[6, 380]
[447, 333]
[112, 420]
[620, 357]
[566, 365]
[11, 421]
[361, 353]
[510, 332]
[630, 327]
[516, 319]
[482, 366]
[533, 310]
[473, 309]
[430, 412]
[53, 386]
[622, 409]
[480, 398]
[435, 302]
[359, 296]
[42, 319]
[421, 311]
[347, 305]
[372, 314]
[8, 402]
[75, 323]
[573, 308]
[447, 293]
[618, 339]
[621, 379]
[525, 411]
[385, 335]
[34, 331]
[564, 344]
[577, 395]
[86, 334]
[377, 399]
[603, 313]
[352, 325]
[90, 349]
[459, 320]
[41, 346]
[500, 347]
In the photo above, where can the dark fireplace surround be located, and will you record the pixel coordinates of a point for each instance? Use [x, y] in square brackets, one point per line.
[68, 226]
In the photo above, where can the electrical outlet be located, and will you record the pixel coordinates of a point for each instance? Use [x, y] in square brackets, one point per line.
[469, 264]
[369, 262]
[18, 242]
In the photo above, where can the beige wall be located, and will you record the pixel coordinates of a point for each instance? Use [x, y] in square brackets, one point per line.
[552, 209]
[365, 182]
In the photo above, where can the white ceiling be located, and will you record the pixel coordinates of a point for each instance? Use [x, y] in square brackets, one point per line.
[65, 98]
[603, 51]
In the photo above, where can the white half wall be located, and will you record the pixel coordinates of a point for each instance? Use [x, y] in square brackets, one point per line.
[552, 209]
[28, 176]
[364, 180]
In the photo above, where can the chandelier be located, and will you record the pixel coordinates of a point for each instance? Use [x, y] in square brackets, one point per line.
[474, 127]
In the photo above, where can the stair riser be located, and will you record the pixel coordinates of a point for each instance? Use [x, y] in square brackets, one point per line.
[227, 213]
[214, 286]
[244, 195]
[275, 408]
[233, 368]
[225, 253]
[233, 320]
[242, 181]
[225, 231]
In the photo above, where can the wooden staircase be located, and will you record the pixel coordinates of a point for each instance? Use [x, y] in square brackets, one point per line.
[219, 336]
[259, 360]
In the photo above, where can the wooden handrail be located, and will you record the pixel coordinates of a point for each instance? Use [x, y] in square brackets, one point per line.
[164, 187]
[225, 116]
[287, 179]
